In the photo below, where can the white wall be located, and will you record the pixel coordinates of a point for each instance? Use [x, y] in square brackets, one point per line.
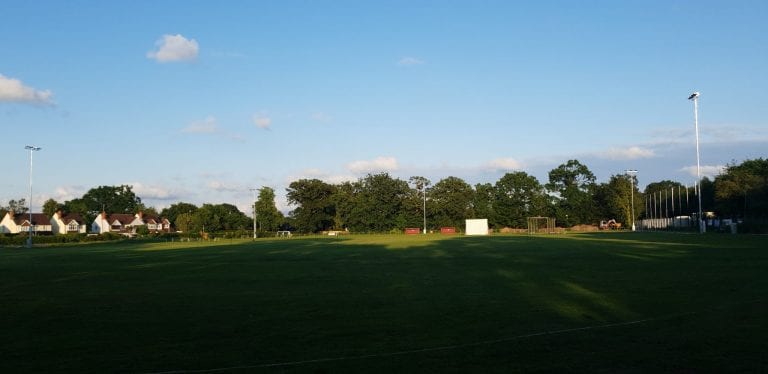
[477, 226]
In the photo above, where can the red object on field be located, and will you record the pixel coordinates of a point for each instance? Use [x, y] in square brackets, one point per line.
[412, 230]
[447, 230]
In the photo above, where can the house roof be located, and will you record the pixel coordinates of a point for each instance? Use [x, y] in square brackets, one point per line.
[69, 217]
[37, 219]
[121, 217]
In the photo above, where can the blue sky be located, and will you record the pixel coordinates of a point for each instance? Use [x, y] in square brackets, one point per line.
[199, 101]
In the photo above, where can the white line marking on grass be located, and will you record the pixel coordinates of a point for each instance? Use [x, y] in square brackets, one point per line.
[430, 349]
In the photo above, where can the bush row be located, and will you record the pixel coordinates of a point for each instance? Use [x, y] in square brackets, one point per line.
[12, 240]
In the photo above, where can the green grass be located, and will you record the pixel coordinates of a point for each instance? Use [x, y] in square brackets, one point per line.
[390, 303]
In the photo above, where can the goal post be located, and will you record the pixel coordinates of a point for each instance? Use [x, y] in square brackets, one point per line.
[541, 225]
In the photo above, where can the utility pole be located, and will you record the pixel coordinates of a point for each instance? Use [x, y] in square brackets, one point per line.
[31, 149]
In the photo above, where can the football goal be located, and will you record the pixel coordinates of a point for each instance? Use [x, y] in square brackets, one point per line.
[541, 225]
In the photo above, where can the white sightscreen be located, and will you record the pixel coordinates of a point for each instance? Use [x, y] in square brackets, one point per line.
[477, 227]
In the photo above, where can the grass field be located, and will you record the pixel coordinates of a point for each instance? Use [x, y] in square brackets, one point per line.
[619, 302]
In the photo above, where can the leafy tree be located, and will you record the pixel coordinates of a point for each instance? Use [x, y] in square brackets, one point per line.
[614, 199]
[482, 203]
[574, 185]
[451, 202]
[344, 199]
[517, 197]
[742, 190]
[268, 217]
[185, 222]
[315, 206]
[17, 206]
[378, 204]
[220, 217]
[50, 207]
[173, 212]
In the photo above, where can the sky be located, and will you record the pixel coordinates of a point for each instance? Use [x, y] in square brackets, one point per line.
[200, 101]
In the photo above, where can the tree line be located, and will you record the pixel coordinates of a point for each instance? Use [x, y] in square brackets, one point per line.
[382, 203]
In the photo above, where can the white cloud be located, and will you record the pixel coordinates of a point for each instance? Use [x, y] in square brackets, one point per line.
[710, 171]
[153, 192]
[376, 165]
[631, 153]
[321, 175]
[220, 186]
[410, 61]
[13, 90]
[321, 117]
[503, 164]
[209, 125]
[172, 48]
[65, 193]
[261, 121]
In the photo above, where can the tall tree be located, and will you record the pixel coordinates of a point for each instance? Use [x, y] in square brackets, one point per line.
[268, 217]
[574, 185]
[452, 202]
[50, 207]
[112, 199]
[518, 196]
[172, 212]
[742, 190]
[220, 217]
[17, 206]
[315, 207]
[614, 199]
[482, 203]
[379, 204]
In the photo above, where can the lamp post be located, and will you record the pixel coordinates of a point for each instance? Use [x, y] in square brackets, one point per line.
[424, 209]
[31, 149]
[695, 97]
[632, 173]
[254, 212]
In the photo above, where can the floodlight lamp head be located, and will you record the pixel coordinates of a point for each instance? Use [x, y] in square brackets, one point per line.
[31, 148]
[693, 96]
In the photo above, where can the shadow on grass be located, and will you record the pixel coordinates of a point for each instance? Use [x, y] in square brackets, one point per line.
[167, 306]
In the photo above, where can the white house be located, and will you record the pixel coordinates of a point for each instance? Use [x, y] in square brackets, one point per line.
[67, 223]
[14, 223]
[127, 223]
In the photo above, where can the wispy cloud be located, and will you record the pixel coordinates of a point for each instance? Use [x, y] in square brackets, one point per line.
[65, 193]
[410, 61]
[504, 164]
[321, 117]
[154, 192]
[710, 171]
[628, 153]
[262, 121]
[378, 164]
[209, 125]
[13, 90]
[220, 186]
[173, 48]
[321, 175]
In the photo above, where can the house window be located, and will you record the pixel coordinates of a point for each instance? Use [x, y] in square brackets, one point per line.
[73, 226]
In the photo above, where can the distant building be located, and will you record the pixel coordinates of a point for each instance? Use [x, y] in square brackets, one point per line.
[127, 223]
[67, 223]
[15, 223]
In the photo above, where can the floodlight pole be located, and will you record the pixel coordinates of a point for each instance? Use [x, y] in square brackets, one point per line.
[695, 97]
[631, 174]
[30, 149]
[424, 208]
[254, 212]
